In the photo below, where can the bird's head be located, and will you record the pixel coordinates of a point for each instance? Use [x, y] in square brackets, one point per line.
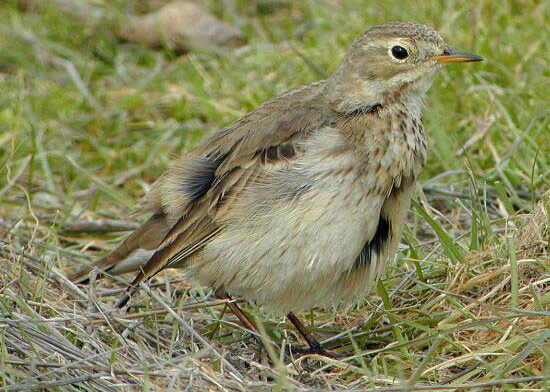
[392, 59]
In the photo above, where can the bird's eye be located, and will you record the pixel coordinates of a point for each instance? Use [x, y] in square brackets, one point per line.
[399, 52]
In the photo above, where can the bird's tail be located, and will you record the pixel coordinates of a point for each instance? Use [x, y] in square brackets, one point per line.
[183, 240]
[147, 237]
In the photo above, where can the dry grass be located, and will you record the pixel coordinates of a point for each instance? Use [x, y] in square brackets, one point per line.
[87, 122]
[458, 326]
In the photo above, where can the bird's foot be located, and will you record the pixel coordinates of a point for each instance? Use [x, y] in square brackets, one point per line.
[314, 348]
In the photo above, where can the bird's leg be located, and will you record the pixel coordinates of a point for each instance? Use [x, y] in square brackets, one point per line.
[314, 345]
[243, 318]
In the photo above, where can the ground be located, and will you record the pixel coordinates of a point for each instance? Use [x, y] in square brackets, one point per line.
[87, 122]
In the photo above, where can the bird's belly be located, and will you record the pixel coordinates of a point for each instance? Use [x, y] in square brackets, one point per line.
[293, 256]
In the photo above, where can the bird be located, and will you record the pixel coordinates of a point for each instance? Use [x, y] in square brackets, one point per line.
[301, 202]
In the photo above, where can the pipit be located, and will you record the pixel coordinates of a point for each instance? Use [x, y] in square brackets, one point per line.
[301, 202]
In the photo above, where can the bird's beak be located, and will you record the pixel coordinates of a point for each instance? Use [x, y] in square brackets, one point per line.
[454, 56]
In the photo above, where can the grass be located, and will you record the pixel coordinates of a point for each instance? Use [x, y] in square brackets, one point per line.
[87, 122]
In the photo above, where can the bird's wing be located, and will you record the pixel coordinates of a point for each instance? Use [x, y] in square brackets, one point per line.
[198, 187]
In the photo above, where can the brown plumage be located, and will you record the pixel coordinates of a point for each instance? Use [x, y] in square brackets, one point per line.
[301, 202]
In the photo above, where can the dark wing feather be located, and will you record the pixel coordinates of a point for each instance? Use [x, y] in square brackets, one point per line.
[374, 245]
